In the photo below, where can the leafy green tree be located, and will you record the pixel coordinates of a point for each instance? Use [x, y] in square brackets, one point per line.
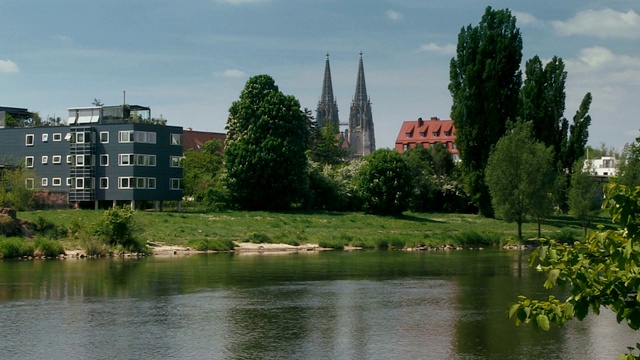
[520, 177]
[585, 196]
[267, 136]
[574, 147]
[326, 146]
[14, 192]
[201, 168]
[629, 165]
[384, 183]
[600, 271]
[485, 81]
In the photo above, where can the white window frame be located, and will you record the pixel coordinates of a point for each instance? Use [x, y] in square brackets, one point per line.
[80, 160]
[106, 184]
[175, 139]
[141, 160]
[56, 181]
[151, 137]
[45, 137]
[69, 181]
[44, 181]
[79, 183]
[173, 182]
[56, 159]
[141, 183]
[29, 161]
[29, 183]
[104, 137]
[29, 139]
[141, 136]
[104, 159]
[45, 159]
[130, 159]
[126, 136]
[175, 161]
[57, 136]
[121, 182]
[80, 138]
[151, 160]
[151, 183]
[69, 159]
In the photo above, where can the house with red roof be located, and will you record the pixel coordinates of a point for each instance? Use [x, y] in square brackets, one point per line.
[426, 133]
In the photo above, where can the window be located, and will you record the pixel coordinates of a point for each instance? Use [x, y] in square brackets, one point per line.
[45, 137]
[45, 182]
[141, 136]
[104, 183]
[151, 138]
[175, 161]
[151, 183]
[79, 183]
[104, 160]
[125, 159]
[422, 134]
[408, 135]
[447, 133]
[57, 136]
[125, 136]
[45, 159]
[140, 182]
[405, 147]
[151, 161]
[104, 137]
[176, 184]
[436, 133]
[125, 183]
[68, 181]
[79, 138]
[28, 161]
[176, 139]
[79, 160]
[141, 160]
[56, 159]
[56, 181]
[29, 139]
[29, 183]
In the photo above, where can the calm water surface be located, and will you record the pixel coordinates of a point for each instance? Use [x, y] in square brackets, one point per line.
[330, 305]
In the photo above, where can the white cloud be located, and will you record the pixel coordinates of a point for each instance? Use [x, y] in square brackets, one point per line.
[62, 38]
[601, 23]
[233, 73]
[8, 66]
[447, 49]
[394, 15]
[525, 18]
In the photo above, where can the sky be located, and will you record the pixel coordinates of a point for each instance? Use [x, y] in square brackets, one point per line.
[188, 60]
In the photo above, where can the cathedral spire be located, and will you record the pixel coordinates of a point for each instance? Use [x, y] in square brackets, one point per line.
[327, 112]
[361, 135]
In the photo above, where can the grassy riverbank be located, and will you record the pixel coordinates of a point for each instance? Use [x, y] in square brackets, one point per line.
[218, 230]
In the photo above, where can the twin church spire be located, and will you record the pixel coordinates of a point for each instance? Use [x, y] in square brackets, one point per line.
[360, 132]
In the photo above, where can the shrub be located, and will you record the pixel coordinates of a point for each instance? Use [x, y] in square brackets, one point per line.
[475, 238]
[9, 227]
[117, 227]
[49, 229]
[331, 244]
[258, 238]
[211, 244]
[568, 236]
[15, 248]
[49, 248]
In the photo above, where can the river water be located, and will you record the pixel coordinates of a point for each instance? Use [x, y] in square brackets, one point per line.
[329, 305]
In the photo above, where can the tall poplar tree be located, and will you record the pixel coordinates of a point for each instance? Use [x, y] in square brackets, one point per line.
[267, 135]
[485, 81]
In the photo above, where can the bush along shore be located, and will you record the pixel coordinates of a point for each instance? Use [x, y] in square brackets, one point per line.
[126, 233]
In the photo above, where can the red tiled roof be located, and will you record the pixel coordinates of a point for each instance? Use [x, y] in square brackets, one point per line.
[411, 131]
[195, 139]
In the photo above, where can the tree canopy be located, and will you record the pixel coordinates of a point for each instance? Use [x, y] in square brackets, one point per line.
[600, 270]
[485, 81]
[520, 176]
[384, 183]
[265, 160]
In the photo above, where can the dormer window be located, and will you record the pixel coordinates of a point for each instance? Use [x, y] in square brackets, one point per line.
[447, 133]
[408, 134]
[436, 133]
[422, 134]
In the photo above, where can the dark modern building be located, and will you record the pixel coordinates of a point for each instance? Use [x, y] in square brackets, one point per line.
[104, 155]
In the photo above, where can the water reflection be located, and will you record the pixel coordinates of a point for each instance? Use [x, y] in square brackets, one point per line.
[373, 305]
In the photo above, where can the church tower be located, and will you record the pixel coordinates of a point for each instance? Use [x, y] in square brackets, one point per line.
[360, 135]
[327, 112]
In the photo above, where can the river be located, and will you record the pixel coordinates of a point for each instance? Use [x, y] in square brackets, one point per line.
[328, 305]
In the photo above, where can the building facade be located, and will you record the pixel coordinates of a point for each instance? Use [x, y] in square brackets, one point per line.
[426, 133]
[104, 155]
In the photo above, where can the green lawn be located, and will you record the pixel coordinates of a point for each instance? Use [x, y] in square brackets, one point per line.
[328, 229]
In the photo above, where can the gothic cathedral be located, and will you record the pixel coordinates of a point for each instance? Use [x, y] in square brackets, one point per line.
[359, 134]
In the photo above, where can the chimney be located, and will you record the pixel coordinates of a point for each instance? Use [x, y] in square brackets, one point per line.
[420, 122]
[434, 118]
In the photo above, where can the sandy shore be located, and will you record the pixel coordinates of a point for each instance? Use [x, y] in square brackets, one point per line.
[240, 248]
